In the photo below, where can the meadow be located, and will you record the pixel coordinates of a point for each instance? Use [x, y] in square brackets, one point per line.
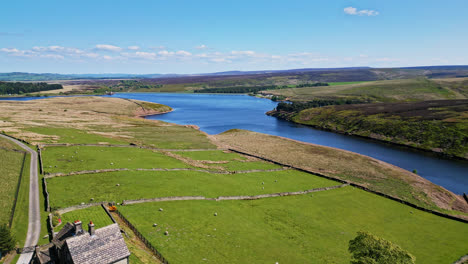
[95, 214]
[313, 228]
[294, 229]
[10, 170]
[211, 155]
[345, 165]
[79, 158]
[73, 190]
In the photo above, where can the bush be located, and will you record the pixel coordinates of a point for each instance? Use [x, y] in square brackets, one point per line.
[7, 241]
[369, 249]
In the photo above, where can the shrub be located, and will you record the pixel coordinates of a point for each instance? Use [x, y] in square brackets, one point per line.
[369, 249]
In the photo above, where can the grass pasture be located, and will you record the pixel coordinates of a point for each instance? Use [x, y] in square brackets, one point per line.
[73, 190]
[70, 135]
[10, 169]
[211, 155]
[236, 165]
[349, 166]
[79, 158]
[230, 161]
[312, 228]
[95, 214]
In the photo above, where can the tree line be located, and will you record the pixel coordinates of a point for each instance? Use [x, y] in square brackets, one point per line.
[21, 87]
[238, 89]
[299, 106]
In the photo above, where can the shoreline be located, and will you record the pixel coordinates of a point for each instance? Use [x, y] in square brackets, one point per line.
[278, 115]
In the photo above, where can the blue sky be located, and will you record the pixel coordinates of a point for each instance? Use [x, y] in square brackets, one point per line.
[156, 36]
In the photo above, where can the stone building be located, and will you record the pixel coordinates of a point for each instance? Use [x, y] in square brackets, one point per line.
[72, 245]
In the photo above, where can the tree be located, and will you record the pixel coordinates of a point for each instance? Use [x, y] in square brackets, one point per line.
[7, 241]
[369, 249]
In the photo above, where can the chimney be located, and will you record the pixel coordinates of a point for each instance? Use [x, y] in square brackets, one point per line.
[78, 227]
[91, 228]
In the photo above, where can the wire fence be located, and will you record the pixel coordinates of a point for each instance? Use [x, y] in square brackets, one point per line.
[142, 238]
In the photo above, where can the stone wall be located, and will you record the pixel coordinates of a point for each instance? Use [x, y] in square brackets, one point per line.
[360, 187]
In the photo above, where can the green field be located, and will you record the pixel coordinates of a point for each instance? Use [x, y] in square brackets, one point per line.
[312, 228]
[79, 158]
[230, 161]
[20, 219]
[249, 165]
[73, 190]
[10, 169]
[72, 136]
[343, 83]
[95, 214]
[211, 155]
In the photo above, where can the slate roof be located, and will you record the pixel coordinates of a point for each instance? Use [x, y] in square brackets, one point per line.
[67, 231]
[106, 246]
[44, 253]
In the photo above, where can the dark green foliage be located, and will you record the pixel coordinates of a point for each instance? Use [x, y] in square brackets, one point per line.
[369, 249]
[240, 89]
[130, 85]
[21, 88]
[7, 241]
[254, 89]
[299, 106]
[311, 85]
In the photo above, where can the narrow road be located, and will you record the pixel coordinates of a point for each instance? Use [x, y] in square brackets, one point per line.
[34, 225]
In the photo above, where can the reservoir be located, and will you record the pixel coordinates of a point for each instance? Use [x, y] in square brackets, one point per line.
[216, 113]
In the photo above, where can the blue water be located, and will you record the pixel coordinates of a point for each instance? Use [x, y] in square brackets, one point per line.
[215, 113]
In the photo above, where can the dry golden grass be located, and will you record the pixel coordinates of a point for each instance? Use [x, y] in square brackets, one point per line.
[44, 121]
[360, 169]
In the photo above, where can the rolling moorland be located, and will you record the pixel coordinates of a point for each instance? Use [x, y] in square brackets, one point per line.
[408, 121]
[421, 113]
[97, 149]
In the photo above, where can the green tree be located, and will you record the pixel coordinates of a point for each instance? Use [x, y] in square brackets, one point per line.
[7, 241]
[369, 249]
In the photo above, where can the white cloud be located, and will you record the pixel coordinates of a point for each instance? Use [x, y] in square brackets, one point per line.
[145, 55]
[52, 56]
[133, 47]
[166, 53]
[19, 53]
[106, 47]
[243, 52]
[184, 53]
[202, 46]
[355, 12]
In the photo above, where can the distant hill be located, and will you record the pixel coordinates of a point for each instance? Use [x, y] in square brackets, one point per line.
[364, 73]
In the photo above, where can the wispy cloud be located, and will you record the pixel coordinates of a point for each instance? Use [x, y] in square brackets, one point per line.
[234, 57]
[201, 47]
[107, 47]
[364, 12]
[133, 47]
